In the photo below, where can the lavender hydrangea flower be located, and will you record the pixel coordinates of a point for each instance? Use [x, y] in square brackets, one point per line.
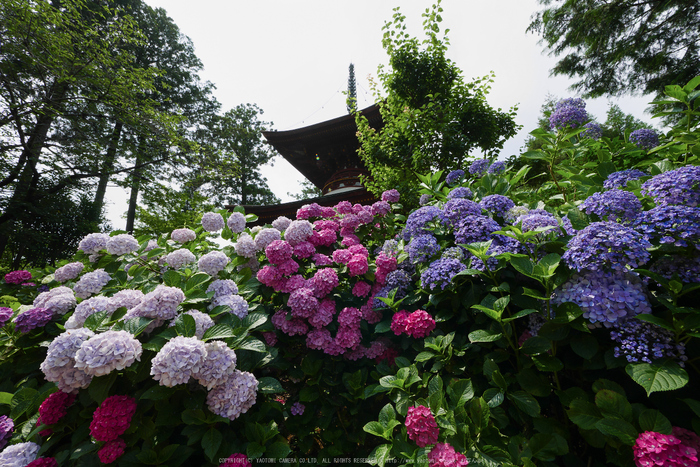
[179, 258]
[127, 298]
[568, 113]
[440, 273]
[265, 237]
[297, 409]
[644, 138]
[19, 455]
[607, 245]
[424, 199]
[236, 303]
[460, 192]
[91, 283]
[234, 396]
[666, 224]
[298, 232]
[497, 168]
[680, 186]
[593, 131]
[245, 246]
[106, 352]
[497, 205]
[5, 315]
[223, 287]
[281, 223]
[86, 308]
[475, 229]
[213, 262]
[479, 167]
[639, 341]
[454, 176]
[456, 209]
[236, 222]
[212, 221]
[160, 304]
[421, 248]
[32, 319]
[7, 426]
[418, 220]
[530, 222]
[93, 243]
[613, 205]
[218, 365]
[60, 300]
[59, 364]
[619, 179]
[122, 244]
[178, 360]
[183, 235]
[202, 322]
[68, 272]
[604, 297]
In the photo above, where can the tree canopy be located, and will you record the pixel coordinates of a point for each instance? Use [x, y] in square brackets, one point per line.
[622, 46]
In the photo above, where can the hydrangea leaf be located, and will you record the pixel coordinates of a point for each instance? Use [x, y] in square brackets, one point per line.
[482, 335]
[380, 455]
[525, 402]
[663, 376]
[653, 420]
[548, 446]
[620, 429]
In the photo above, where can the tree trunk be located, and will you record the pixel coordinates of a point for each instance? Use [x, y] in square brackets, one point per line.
[107, 168]
[136, 177]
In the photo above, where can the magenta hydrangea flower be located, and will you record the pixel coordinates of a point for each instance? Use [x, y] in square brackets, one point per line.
[444, 455]
[358, 265]
[212, 221]
[656, 449]
[43, 462]
[111, 451]
[17, 277]
[32, 319]
[279, 251]
[419, 324]
[398, 322]
[421, 426]
[302, 302]
[323, 282]
[391, 196]
[361, 289]
[7, 426]
[112, 418]
[55, 407]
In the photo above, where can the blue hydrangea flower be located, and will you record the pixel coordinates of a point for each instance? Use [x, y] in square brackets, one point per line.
[460, 192]
[640, 341]
[605, 297]
[418, 220]
[456, 209]
[454, 176]
[619, 179]
[475, 229]
[398, 280]
[568, 113]
[497, 205]
[421, 248]
[644, 138]
[607, 245]
[675, 225]
[424, 199]
[613, 205]
[680, 186]
[497, 167]
[479, 167]
[532, 221]
[687, 267]
[593, 131]
[440, 273]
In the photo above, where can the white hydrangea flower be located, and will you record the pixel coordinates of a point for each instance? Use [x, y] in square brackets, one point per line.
[68, 272]
[127, 298]
[179, 258]
[91, 283]
[177, 360]
[234, 396]
[59, 364]
[106, 352]
[19, 455]
[236, 222]
[213, 262]
[212, 221]
[86, 308]
[122, 244]
[183, 235]
[219, 363]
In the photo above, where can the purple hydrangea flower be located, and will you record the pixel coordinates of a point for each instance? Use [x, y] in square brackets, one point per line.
[7, 426]
[613, 205]
[619, 179]
[479, 167]
[593, 131]
[19, 455]
[607, 245]
[213, 262]
[680, 186]
[398, 280]
[32, 319]
[440, 273]
[391, 196]
[178, 360]
[568, 113]
[475, 229]
[237, 304]
[497, 167]
[459, 192]
[457, 209]
[675, 225]
[68, 272]
[106, 352]
[122, 244]
[212, 221]
[418, 220]
[424, 199]
[422, 248]
[161, 304]
[234, 396]
[218, 365]
[5, 315]
[93, 243]
[497, 205]
[183, 235]
[297, 408]
[604, 297]
[18, 277]
[454, 176]
[644, 138]
[640, 341]
[91, 283]
[687, 267]
[533, 221]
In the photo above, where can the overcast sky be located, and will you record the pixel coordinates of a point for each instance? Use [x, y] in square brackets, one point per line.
[291, 58]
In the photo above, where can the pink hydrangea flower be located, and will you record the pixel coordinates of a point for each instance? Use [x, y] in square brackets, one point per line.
[111, 451]
[17, 277]
[112, 418]
[389, 355]
[444, 455]
[323, 282]
[326, 224]
[680, 448]
[304, 250]
[302, 302]
[321, 259]
[318, 338]
[391, 196]
[421, 426]
[344, 207]
[358, 265]
[361, 289]
[279, 251]
[350, 240]
[325, 237]
[289, 267]
[398, 322]
[342, 256]
[419, 324]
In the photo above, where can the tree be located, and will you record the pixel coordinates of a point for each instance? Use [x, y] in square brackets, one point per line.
[622, 46]
[308, 191]
[432, 119]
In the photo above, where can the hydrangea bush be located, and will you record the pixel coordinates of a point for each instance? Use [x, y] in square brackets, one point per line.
[490, 326]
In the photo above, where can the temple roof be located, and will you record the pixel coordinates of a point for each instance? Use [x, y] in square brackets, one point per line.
[319, 151]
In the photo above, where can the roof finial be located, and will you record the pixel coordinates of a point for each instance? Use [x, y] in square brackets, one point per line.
[351, 101]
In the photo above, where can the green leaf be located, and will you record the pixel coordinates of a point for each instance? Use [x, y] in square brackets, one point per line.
[622, 430]
[585, 346]
[694, 405]
[548, 363]
[583, 414]
[218, 331]
[479, 413]
[269, 385]
[482, 335]
[613, 404]
[376, 429]
[5, 398]
[251, 343]
[460, 392]
[172, 278]
[277, 450]
[387, 415]
[100, 386]
[424, 356]
[653, 420]
[186, 325]
[547, 447]
[136, 325]
[197, 279]
[663, 376]
[95, 320]
[525, 402]
[253, 321]
[308, 394]
[23, 400]
[211, 442]
[536, 346]
[380, 455]
[157, 393]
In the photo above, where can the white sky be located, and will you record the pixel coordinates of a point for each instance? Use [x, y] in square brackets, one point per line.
[291, 58]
